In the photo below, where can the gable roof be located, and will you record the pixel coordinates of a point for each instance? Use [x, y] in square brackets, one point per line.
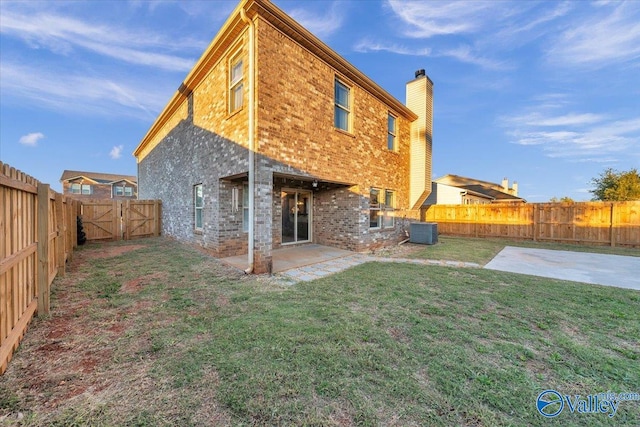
[228, 34]
[488, 189]
[489, 192]
[98, 177]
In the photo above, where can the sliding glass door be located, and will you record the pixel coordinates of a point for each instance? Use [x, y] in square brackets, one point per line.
[296, 216]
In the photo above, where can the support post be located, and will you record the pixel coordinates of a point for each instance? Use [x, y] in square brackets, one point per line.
[61, 246]
[43, 249]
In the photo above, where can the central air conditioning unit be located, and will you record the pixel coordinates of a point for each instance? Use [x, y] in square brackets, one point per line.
[425, 233]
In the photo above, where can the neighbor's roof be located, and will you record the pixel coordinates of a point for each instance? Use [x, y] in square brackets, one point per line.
[233, 27]
[98, 177]
[489, 189]
[490, 192]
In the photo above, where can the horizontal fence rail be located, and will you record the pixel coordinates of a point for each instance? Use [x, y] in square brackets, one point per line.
[590, 223]
[38, 233]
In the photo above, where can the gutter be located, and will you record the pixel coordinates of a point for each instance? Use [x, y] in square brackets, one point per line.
[252, 165]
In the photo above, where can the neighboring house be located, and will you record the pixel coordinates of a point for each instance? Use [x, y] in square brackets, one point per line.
[460, 190]
[274, 139]
[95, 185]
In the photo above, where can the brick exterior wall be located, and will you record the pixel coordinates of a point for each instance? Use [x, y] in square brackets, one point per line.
[296, 144]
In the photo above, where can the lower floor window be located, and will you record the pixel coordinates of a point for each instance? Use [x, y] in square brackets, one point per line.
[198, 204]
[381, 208]
[245, 207]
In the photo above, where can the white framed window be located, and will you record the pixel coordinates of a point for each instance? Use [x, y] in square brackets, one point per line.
[128, 191]
[381, 208]
[388, 216]
[391, 133]
[245, 208]
[342, 101]
[374, 208]
[118, 191]
[198, 205]
[81, 189]
[236, 84]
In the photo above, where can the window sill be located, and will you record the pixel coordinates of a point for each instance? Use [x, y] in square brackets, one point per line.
[344, 132]
[233, 113]
[199, 232]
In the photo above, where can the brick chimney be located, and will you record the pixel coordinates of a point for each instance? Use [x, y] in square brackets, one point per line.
[420, 101]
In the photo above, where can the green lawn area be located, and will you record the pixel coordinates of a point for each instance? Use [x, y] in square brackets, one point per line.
[185, 341]
[482, 250]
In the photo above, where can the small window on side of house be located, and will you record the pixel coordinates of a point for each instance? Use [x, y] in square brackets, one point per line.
[119, 191]
[389, 206]
[245, 208]
[86, 189]
[236, 84]
[75, 189]
[198, 205]
[342, 108]
[374, 208]
[392, 144]
[128, 191]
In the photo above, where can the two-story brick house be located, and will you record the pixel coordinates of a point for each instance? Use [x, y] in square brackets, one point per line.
[274, 139]
[98, 185]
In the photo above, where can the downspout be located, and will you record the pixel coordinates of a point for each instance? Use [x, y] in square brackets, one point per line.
[252, 171]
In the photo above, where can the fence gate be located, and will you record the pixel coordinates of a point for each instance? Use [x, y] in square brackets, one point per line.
[101, 219]
[120, 219]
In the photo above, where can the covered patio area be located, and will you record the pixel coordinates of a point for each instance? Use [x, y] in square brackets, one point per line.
[291, 257]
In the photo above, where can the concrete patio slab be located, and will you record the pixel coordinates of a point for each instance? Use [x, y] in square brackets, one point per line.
[294, 257]
[609, 270]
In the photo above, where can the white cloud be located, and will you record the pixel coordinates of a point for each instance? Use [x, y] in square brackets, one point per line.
[465, 53]
[31, 139]
[322, 25]
[598, 40]
[364, 46]
[582, 137]
[116, 152]
[434, 18]
[62, 35]
[82, 94]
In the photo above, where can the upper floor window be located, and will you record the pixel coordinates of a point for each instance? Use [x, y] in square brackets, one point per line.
[236, 84]
[81, 189]
[342, 106]
[198, 204]
[391, 133]
[118, 191]
[128, 191]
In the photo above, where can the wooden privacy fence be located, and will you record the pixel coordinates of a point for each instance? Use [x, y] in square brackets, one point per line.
[120, 219]
[597, 223]
[37, 236]
[38, 233]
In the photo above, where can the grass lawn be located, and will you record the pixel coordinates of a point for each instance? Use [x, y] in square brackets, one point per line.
[156, 333]
[482, 250]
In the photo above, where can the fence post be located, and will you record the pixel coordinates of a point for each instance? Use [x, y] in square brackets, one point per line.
[62, 235]
[536, 218]
[157, 212]
[612, 235]
[43, 249]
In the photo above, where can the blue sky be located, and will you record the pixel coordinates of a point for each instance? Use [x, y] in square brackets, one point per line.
[544, 93]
